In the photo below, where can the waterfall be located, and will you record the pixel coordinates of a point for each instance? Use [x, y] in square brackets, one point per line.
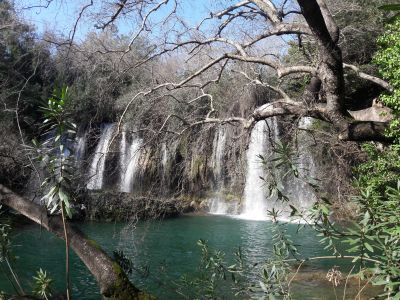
[255, 206]
[218, 153]
[164, 159]
[80, 146]
[303, 193]
[256, 203]
[96, 170]
[129, 160]
[218, 204]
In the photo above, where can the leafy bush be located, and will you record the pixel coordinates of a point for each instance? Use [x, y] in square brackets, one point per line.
[377, 234]
[42, 284]
[388, 60]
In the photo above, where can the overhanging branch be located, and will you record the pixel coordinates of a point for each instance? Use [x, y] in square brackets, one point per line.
[368, 77]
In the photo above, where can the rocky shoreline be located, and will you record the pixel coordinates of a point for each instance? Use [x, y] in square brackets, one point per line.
[117, 206]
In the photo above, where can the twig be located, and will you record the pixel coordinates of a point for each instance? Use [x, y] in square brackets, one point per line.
[17, 116]
[345, 284]
[365, 285]
[295, 274]
[334, 257]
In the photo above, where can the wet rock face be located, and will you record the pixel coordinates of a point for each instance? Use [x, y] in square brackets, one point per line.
[113, 206]
[112, 170]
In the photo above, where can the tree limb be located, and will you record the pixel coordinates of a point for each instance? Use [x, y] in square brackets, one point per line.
[269, 9]
[121, 6]
[371, 78]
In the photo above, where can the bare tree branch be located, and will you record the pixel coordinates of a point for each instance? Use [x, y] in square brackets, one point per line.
[269, 9]
[371, 78]
[143, 25]
[120, 7]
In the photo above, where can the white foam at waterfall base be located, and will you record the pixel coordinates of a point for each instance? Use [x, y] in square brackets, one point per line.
[129, 160]
[218, 203]
[218, 206]
[96, 169]
[255, 207]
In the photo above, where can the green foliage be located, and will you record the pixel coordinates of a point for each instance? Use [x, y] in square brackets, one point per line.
[55, 152]
[388, 60]
[56, 155]
[390, 7]
[376, 235]
[7, 258]
[274, 281]
[42, 284]
[22, 56]
[3, 296]
[217, 279]
[358, 46]
[280, 159]
[381, 170]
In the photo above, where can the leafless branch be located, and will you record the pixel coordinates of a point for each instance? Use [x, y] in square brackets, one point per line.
[120, 6]
[368, 77]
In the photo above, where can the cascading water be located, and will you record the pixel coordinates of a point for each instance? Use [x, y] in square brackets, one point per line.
[129, 159]
[122, 159]
[302, 192]
[96, 169]
[164, 159]
[255, 202]
[218, 153]
[218, 204]
[80, 147]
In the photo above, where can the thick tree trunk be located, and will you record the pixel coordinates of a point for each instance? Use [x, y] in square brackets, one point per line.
[363, 131]
[348, 130]
[113, 282]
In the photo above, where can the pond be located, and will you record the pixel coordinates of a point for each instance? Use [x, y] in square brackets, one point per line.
[165, 250]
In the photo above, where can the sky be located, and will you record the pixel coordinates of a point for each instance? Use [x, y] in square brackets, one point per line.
[61, 15]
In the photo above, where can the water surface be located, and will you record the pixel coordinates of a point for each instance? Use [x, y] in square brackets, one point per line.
[167, 250]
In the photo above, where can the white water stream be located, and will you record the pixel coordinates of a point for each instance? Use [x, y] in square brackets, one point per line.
[255, 204]
[80, 146]
[307, 167]
[129, 160]
[164, 159]
[97, 167]
[218, 204]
